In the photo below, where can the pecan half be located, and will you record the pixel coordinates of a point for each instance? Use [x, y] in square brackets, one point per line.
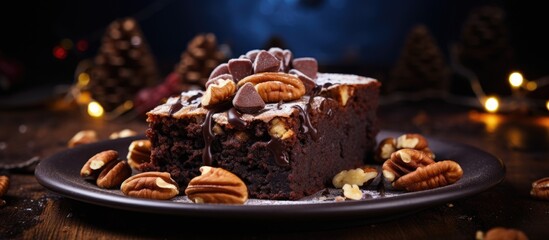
[404, 161]
[139, 152]
[114, 174]
[95, 164]
[385, 148]
[274, 87]
[411, 140]
[499, 233]
[431, 176]
[153, 185]
[217, 185]
[540, 189]
[220, 91]
[83, 137]
[4, 184]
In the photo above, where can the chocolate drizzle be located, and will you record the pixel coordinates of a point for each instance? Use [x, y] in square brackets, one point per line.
[208, 136]
[307, 126]
[194, 97]
[276, 147]
[235, 118]
[176, 106]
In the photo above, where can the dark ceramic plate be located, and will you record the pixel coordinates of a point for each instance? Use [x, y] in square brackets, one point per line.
[60, 173]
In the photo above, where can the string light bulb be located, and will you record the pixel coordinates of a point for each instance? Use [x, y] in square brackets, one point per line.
[516, 80]
[95, 109]
[491, 104]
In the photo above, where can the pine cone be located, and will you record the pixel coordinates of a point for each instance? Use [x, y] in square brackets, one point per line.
[421, 64]
[484, 48]
[198, 60]
[123, 65]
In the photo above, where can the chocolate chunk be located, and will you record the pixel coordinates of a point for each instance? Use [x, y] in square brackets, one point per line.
[252, 54]
[217, 78]
[247, 99]
[277, 52]
[240, 68]
[266, 62]
[307, 81]
[306, 65]
[221, 69]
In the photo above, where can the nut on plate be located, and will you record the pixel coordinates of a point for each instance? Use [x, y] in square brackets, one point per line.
[274, 87]
[122, 134]
[352, 191]
[4, 185]
[113, 174]
[405, 141]
[499, 233]
[411, 140]
[217, 185]
[95, 164]
[404, 161]
[385, 148]
[540, 189]
[83, 137]
[152, 185]
[358, 176]
[431, 176]
[139, 152]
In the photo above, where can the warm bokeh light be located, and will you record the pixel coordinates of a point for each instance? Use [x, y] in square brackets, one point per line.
[66, 44]
[95, 109]
[84, 98]
[491, 104]
[531, 86]
[59, 52]
[82, 45]
[547, 105]
[83, 79]
[516, 79]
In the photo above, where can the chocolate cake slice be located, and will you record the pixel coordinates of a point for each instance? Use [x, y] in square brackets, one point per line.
[275, 122]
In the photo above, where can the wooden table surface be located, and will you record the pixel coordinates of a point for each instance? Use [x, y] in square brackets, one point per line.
[521, 141]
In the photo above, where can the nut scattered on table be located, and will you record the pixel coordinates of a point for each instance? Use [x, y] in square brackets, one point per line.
[4, 185]
[83, 137]
[358, 176]
[113, 174]
[94, 165]
[352, 191]
[139, 152]
[217, 185]
[404, 161]
[500, 233]
[431, 176]
[152, 185]
[122, 134]
[540, 189]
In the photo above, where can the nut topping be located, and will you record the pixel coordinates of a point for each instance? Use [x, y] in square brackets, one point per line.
[139, 152]
[358, 176]
[540, 189]
[218, 92]
[153, 185]
[4, 184]
[217, 185]
[431, 176]
[276, 86]
[95, 164]
[279, 129]
[114, 173]
[404, 161]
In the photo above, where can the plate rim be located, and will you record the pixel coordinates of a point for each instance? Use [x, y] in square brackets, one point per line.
[367, 208]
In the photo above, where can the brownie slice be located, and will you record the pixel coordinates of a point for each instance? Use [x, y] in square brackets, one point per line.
[286, 150]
